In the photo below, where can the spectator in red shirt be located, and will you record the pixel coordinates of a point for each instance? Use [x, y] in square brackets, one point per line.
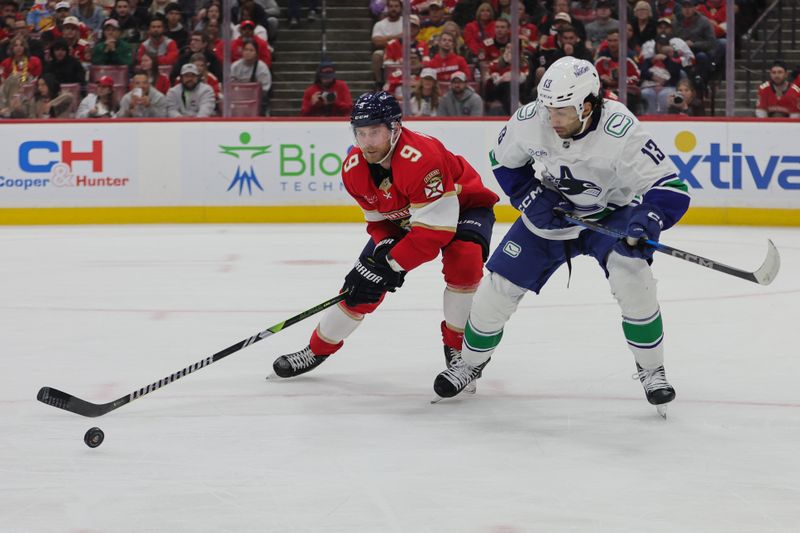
[247, 33]
[777, 97]
[327, 96]
[393, 54]
[491, 49]
[608, 70]
[148, 64]
[162, 46]
[715, 11]
[480, 29]
[445, 62]
[19, 61]
[394, 80]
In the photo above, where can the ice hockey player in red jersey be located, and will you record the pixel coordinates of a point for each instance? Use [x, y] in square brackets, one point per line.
[419, 200]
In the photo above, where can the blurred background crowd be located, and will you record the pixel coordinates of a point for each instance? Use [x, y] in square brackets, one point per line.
[161, 58]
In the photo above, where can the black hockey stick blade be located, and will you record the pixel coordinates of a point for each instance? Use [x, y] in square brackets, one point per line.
[73, 404]
[764, 275]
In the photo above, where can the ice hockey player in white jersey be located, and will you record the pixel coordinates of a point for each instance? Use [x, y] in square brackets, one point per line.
[575, 151]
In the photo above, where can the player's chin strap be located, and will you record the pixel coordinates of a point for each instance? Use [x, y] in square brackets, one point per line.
[396, 130]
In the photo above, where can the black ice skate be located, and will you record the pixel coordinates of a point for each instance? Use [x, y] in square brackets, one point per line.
[294, 364]
[656, 387]
[455, 378]
[451, 355]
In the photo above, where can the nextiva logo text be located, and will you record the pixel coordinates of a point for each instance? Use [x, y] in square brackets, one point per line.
[47, 163]
[732, 167]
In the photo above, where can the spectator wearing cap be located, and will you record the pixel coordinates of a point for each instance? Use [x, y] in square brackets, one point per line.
[191, 97]
[175, 29]
[697, 32]
[607, 66]
[327, 96]
[393, 55]
[199, 60]
[63, 66]
[434, 25]
[424, 101]
[91, 15]
[583, 10]
[143, 100]
[21, 29]
[679, 47]
[79, 48]
[383, 32]
[778, 97]
[568, 43]
[101, 103]
[479, 30]
[20, 62]
[112, 50]
[247, 32]
[660, 76]
[597, 30]
[198, 44]
[61, 12]
[251, 69]
[445, 61]
[460, 100]
[561, 16]
[644, 25]
[163, 47]
[131, 20]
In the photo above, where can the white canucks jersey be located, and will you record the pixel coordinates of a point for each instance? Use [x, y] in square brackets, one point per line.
[612, 164]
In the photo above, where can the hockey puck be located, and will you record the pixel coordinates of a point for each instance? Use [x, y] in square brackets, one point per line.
[94, 437]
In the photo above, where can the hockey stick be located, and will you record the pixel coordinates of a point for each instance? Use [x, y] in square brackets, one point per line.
[71, 403]
[764, 275]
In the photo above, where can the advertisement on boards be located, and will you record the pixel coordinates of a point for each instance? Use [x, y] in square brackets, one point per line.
[68, 166]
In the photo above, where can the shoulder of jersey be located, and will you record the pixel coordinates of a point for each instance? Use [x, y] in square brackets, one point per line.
[616, 120]
[763, 85]
[795, 88]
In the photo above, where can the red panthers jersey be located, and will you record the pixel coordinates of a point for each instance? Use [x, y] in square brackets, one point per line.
[422, 193]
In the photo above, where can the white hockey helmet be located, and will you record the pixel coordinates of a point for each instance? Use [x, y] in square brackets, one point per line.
[568, 82]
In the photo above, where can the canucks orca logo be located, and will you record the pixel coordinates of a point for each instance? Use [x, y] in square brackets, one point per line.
[244, 178]
[571, 186]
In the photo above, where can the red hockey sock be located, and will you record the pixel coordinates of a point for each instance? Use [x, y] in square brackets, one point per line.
[322, 347]
[451, 338]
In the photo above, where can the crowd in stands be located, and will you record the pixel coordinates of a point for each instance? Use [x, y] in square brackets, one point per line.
[163, 58]
[675, 49]
[122, 58]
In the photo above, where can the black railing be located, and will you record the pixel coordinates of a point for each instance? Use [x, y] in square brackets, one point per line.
[756, 39]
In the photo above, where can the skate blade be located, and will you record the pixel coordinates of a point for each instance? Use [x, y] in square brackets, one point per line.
[662, 410]
[436, 400]
[471, 388]
[272, 377]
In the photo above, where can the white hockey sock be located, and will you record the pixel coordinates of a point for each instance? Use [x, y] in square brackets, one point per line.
[494, 303]
[337, 324]
[457, 302]
[634, 287]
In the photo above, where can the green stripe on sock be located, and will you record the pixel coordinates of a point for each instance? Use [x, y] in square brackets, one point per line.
[644, 333]
[479, 341]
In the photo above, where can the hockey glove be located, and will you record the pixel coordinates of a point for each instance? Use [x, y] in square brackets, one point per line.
[645, 223]
[369, 279]
[539, 207]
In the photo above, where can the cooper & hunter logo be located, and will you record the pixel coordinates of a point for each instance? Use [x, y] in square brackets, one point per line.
[242, 178]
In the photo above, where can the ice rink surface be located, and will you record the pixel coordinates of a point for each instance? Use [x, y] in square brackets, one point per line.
[558, 438]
